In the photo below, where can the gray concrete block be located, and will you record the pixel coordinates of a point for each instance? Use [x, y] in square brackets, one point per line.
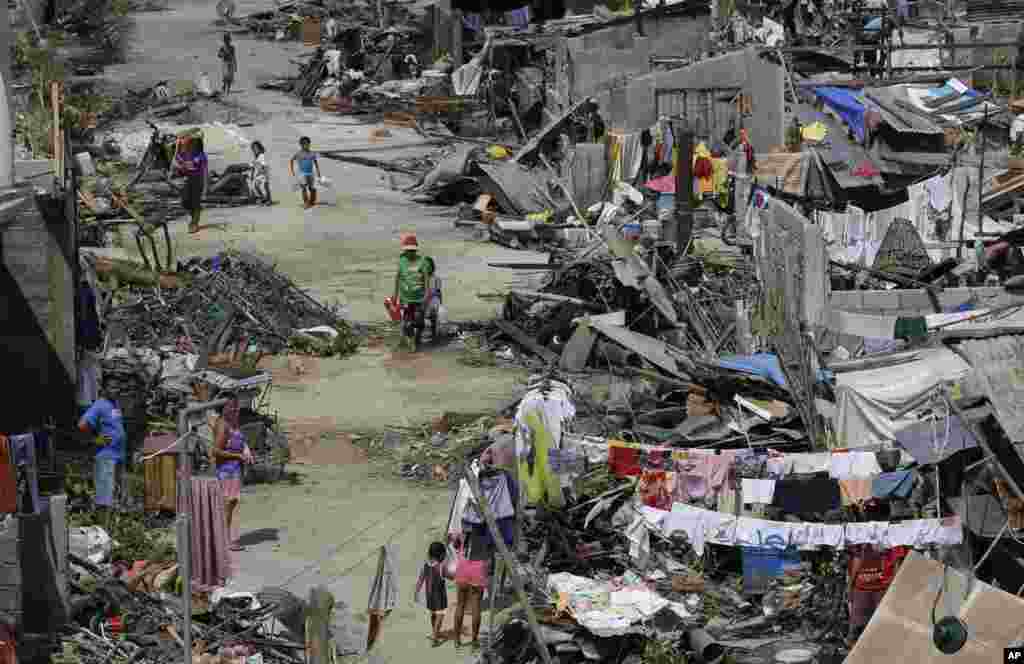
[914, 301]
[847, 300]
[887, 301]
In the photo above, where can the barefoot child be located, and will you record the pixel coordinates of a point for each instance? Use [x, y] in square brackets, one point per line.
[432, 584]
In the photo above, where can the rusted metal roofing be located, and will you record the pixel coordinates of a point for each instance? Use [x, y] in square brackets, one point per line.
[997, 365]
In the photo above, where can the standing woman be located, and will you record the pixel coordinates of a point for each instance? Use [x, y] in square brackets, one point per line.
[229, 64]
[193, 165]
[229, 453]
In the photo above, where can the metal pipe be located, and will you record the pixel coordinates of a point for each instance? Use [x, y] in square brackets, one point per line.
[184, 520]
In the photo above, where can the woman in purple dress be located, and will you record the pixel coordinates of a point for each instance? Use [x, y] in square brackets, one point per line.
[229, 453]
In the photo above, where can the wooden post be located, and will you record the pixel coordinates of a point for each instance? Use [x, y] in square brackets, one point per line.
[58, 143]
[981, 171]
[524, 599]
[684, 188]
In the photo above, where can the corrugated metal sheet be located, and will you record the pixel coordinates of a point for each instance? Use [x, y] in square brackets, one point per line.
[998, 373]
[891, 102]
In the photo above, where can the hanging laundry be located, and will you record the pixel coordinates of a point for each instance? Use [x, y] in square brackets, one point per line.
[913, 328]
[623, 460]
[656, 488]
[211, 563]
[24, 449]
[758, 492]
[703, 170]
[8, 479]
[816, 132]
[543, 417]
[500, 496]
[88, 328]
[519, 18]
[855, 492]
[473, 22]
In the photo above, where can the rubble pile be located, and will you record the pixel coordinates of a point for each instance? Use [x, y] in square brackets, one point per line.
[228, 629]
[232, 298]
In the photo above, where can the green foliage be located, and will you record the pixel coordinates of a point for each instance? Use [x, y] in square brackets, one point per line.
[662, 651]
[133, 539]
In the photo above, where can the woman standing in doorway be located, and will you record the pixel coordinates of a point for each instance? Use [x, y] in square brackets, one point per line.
[192, 163]
[229, 453]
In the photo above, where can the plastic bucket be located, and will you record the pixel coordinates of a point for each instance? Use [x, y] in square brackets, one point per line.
[393, 308]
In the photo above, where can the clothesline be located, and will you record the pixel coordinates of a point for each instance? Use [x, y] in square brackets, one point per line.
[840, 464]
[708, 526]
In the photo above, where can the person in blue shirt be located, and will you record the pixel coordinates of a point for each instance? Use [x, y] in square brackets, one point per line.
[105, 420]
[309, 171]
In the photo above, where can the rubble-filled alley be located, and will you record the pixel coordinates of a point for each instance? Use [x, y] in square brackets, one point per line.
[624, 332]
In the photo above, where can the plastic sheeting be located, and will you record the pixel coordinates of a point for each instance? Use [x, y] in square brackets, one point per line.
[602, 611]
[868, 400]
[846, 104]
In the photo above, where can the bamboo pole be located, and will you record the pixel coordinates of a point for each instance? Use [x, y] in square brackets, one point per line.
[510, 562]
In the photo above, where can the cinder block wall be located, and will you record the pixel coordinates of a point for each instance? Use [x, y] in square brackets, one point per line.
[604, 60]
[916, 302]
[678, 36]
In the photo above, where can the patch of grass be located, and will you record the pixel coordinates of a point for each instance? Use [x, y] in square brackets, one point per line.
[475, 355]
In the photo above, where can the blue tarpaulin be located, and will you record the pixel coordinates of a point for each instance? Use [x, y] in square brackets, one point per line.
[847, 105]
[765, 365]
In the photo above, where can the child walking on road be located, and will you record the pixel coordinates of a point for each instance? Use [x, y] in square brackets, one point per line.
[431, 583]
[309, 171]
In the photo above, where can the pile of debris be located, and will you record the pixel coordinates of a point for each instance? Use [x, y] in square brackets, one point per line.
[134, 615]
[232, 300]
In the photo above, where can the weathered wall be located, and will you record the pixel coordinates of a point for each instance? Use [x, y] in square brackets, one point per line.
[916, 302]
[762, 80]
[613, 66]
[677, 36]
[37, 305]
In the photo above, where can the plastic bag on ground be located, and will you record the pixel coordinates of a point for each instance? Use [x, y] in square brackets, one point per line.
[326, 193]
[91, 543]
[204, 86]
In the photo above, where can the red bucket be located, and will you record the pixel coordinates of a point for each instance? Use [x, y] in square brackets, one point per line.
[393, 308]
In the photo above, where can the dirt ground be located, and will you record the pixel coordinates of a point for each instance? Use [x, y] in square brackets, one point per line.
[327, 527]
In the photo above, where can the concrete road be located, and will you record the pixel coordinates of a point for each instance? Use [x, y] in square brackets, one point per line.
[314, 531]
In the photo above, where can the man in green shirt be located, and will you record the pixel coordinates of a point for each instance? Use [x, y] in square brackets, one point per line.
[412, 288]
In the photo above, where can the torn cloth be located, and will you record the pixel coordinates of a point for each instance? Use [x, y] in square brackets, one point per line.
[384, 591]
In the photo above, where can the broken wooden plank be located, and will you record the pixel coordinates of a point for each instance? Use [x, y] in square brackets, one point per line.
[535, 142]
[552, 297]
[577, 351]
[524, 340]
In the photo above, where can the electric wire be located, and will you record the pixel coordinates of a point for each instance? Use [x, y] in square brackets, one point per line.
[333, 551]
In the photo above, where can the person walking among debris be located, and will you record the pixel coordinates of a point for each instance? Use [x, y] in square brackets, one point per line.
[432, 585]
[229, 453]
[105, 420]
[309, 171]
[192, 163]
[471, 577]
[259, 176]
[229, 62]
[412, 283]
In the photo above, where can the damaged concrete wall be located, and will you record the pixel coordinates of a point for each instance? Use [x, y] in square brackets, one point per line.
[678, 36]
[916, 302]
[761, 79]
[37, 303]
[606, 59]
[994, 33]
